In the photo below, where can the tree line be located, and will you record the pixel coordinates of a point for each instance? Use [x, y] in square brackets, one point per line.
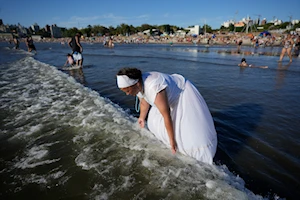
[125, 29]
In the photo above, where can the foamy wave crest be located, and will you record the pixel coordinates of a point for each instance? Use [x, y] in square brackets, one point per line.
[35, 157]
[61, 120]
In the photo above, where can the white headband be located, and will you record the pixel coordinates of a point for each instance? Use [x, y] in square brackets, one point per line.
[124, 81]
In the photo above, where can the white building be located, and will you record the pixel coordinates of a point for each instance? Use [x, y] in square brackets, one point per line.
[196, 30]
[22, 30]
[180, 33]
[227, 23]
[55, 31]
[295, 21]
[35, 27]
[276, 22]
[154, 32]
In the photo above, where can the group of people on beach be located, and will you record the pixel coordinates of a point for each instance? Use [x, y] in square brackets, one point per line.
[28, 41]
[288, 43]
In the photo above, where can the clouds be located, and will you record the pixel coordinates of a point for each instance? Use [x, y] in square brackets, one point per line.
[113, 13]
[107, 20]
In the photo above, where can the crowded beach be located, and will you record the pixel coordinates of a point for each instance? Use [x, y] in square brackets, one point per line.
[238, 39]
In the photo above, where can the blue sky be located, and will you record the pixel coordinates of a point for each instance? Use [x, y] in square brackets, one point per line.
[80, 14]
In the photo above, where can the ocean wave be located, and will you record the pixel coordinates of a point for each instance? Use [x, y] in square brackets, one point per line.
[45, 104]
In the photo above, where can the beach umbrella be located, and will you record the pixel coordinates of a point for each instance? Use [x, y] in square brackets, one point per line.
[250, 35]
[264, 34]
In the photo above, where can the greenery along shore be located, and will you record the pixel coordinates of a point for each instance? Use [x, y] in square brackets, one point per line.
[125, 29]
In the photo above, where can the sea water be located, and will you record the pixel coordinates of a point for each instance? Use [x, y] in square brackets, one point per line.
[73, 134]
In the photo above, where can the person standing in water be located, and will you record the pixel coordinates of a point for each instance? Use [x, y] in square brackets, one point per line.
[16, 42]
[74, 43]
[177, 113]
[288, 43]
[29, 44]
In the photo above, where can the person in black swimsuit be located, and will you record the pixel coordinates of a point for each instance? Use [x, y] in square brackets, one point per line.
[29, 44]
[297, 47]
[16, 42]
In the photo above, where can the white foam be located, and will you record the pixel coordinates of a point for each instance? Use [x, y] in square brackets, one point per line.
[36, 179]
[34, 157]
[210, 184]
[103, 196]
[58, 174]
[146, 163]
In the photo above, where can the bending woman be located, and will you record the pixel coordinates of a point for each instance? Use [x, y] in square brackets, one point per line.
[177, 113]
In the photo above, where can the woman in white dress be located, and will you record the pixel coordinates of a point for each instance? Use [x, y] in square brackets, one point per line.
[177, 113]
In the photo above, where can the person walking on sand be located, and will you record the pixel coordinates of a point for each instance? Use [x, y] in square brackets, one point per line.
[74, 43]
[176, 112]
[288, 43]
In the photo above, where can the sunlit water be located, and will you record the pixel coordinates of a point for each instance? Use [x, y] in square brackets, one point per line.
[73, 134]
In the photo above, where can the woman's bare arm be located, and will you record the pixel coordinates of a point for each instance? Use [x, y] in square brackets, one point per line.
[161, 102]
[144, 108]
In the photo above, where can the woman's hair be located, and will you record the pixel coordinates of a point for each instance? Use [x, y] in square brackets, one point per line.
[243, 60]
[132, 73]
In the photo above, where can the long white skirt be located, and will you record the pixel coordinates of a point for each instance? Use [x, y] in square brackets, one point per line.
[194, 128]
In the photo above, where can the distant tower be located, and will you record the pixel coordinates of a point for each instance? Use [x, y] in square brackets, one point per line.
[258, 19]
[47, 28]
[290, 25]
[263, 22]
[35, 27]
[235, 19]
[1, 22]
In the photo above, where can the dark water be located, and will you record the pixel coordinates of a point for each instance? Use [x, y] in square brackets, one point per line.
[77, 138]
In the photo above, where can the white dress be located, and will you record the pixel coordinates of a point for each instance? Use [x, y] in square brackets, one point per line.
[194, 128]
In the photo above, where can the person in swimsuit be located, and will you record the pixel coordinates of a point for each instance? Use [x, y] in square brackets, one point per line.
[297, 47]
[16, 42]
[239, 43]
[287, 48]
[29, 44]
[245, 64]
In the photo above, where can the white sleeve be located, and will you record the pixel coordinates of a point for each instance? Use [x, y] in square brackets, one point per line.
[154, 85]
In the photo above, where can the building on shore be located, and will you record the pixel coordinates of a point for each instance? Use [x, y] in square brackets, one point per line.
[227, 23]
[196, 30]
[55, 31]
[35, 28]
[152, 32]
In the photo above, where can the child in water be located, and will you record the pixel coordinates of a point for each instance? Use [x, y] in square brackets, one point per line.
[245, 64]
[70, 60]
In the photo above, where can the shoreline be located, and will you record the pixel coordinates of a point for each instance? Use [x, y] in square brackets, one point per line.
[229, 40]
